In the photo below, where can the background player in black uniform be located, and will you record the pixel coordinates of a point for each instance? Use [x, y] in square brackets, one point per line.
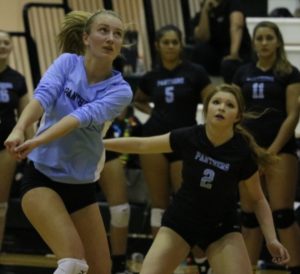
[271, 83]
[175, 87]
[13, 98]
[113, 183]
[222, 39]
[219, 158]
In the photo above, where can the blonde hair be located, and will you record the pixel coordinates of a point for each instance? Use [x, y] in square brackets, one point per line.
[261, 155]
[70, 38]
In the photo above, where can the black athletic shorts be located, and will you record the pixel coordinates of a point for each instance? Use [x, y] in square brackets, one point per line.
[111, 155]
[203, 235]
[290, 148]
[172, 157]
[4, 133]
[74, 196]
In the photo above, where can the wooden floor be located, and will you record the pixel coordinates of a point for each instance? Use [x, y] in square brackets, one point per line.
[47, 261]
[13, 263]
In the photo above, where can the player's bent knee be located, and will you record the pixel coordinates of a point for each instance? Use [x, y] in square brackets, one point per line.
[3, 209]
[156, 217]
[119, 215]
[284, 218]
[71, 266]
[249, 220]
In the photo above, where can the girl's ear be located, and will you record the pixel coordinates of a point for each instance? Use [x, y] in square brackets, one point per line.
[85, 39]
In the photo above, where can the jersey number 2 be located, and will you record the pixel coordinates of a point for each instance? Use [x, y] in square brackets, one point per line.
[207, 178]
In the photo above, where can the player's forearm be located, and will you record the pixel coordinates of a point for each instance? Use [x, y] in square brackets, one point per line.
[202, 30]
[264, 216]
[60, 129]
[31, 113]
[139, 145]
[285, 133]
[236, 33]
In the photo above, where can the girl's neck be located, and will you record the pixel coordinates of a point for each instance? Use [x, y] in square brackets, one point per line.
[218, 136]
[171, 64]
[266, 63]
[97, 71]
[3, 65]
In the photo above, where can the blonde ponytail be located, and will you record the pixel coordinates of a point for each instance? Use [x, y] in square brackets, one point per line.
[70, 37]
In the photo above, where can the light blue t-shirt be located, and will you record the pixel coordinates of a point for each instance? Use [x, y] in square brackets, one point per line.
[64, 90]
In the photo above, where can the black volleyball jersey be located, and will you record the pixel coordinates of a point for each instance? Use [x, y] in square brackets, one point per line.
[263, 90]
[175, 94]
[12, 88]
[211, 175]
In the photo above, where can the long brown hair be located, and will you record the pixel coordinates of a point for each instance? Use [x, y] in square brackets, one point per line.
[261, 156]
[282, 66]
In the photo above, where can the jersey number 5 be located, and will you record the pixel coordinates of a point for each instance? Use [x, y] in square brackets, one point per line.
[4, 96]
[169, 94]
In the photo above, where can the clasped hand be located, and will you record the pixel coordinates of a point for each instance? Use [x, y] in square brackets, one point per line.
[17, 146]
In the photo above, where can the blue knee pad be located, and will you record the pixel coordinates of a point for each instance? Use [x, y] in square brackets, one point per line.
[284, 218]
[249, 220]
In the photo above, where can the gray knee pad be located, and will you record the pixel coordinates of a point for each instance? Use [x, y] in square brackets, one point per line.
[119, 215]
[283, 218]
[249, 220]
[156, 216]
[71, 266]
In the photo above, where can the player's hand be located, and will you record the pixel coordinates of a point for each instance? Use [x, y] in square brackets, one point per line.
[24, 149]
[14, 139]
[279, 253]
